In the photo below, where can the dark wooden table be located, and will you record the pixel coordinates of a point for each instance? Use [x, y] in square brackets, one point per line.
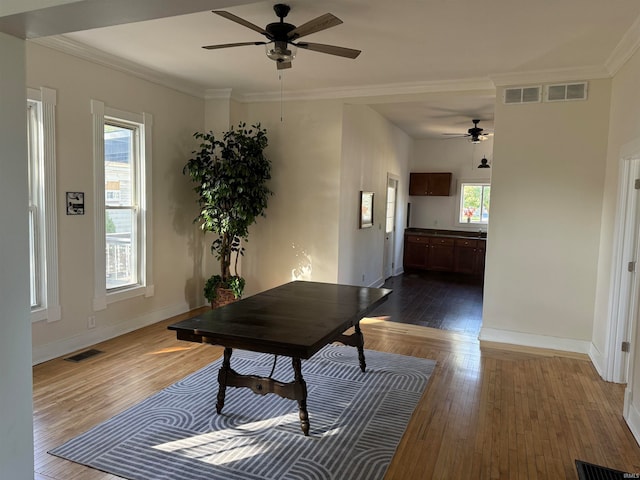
[294, 320]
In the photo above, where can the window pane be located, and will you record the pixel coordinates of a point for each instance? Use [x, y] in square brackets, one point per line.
[474, 204]
[33, 259]
[391, 208]
[121, 248]
[485, 203]
[118, 165]
[120, 201]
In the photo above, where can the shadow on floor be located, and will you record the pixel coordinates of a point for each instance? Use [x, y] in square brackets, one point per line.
[433, 299]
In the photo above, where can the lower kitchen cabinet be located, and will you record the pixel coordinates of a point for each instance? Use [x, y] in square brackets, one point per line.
[444, 254]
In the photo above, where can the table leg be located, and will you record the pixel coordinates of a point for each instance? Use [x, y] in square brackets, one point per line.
[360, 346]
[222, 378]
[301, 395]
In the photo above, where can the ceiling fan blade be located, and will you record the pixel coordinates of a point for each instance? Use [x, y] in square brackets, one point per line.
[242, 21]
[330, 49]
[227, 45]
[322, 22]
[283, 65]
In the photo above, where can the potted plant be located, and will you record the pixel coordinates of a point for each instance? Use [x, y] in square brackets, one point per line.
[230, 177]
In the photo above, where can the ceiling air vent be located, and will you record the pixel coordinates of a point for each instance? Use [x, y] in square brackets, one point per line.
[522, 94]
[565, 92]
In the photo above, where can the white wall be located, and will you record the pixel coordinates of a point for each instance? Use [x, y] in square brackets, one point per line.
[547, 195]
[371, 148]
[16, 424]
[461, 158]
[299, 235]
[178, 245]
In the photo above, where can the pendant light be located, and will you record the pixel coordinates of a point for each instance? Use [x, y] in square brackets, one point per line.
[484, 163]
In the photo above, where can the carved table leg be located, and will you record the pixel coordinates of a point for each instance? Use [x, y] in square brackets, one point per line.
[222, 378]
[360, 346]
[301, 395]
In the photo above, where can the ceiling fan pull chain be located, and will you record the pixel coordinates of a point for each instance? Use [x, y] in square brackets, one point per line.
[281, 90]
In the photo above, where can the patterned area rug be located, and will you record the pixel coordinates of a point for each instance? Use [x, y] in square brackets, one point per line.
[357, 420]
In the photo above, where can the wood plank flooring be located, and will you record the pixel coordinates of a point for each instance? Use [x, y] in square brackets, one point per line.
[442, 300]
[486, 413]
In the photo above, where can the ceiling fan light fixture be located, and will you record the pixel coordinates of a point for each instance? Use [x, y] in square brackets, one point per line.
[281, 51]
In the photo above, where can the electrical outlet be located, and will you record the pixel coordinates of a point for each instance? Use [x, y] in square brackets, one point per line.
[91, 322]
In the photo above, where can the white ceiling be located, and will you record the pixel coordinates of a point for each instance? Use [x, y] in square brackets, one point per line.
[412, 47]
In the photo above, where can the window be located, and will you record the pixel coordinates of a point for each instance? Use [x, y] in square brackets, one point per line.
[43, 246]
[122, 162]
[474, 203]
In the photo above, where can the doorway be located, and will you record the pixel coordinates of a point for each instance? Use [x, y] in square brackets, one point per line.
[388, 261]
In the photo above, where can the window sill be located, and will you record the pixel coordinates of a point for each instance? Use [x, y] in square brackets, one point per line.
[100, 303]
[51, 314]
[125, 294]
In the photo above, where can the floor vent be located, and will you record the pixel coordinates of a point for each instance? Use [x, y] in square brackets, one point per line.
[589, 471]
[566, 92]
[522, 94]
[78, 357]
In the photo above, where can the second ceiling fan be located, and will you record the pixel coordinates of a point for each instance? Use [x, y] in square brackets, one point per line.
[475, 134]
[281, 36]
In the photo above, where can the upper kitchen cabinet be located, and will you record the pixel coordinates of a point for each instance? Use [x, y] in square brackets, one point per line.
[430, 184]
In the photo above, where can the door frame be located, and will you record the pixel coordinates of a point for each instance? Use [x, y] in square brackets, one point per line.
[625, 285]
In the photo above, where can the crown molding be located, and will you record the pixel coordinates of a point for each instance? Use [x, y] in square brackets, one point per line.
[621, 54]
[80, 50]
[412, 88]
[625, 49]
[550, 76]
[219, 94]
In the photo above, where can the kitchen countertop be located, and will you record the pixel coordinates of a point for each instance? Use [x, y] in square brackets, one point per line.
[430, 232]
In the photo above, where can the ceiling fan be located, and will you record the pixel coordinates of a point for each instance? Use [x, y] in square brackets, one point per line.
[475, 134]
[281, 36]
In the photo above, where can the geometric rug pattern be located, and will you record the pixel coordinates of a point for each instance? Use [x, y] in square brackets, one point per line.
[357, 420]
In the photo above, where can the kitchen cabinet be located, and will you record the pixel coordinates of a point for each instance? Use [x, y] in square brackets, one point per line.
[480, 256]
[444, 253]
[416, 248]
[430, 184]
[441, 254]
[465, 256]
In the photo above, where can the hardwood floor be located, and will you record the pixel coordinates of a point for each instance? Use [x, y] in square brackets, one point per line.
[486, 413]
[441, 300]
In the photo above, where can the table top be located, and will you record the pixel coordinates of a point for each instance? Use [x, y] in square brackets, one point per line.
[295, 319]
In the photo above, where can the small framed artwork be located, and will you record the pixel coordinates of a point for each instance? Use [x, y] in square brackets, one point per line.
[75, 203]
[366, 209]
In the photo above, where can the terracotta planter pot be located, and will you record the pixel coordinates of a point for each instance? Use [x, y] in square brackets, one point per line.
[224, 296]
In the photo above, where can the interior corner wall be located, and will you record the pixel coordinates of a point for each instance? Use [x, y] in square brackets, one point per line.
[298, 237]
[461, 158]
[217, 114]
[371, 148]
[178, 245]
[16, 414]
[546, 198]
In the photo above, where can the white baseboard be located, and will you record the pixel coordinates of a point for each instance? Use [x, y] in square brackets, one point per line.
[598, 360]
[631, 415]
[49, 351]
[534, 340]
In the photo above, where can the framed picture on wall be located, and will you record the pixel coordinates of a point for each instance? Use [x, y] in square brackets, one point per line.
[75, 203]
[366, 209]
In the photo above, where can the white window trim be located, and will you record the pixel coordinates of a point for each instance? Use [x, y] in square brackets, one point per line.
[464, 225]
[145, 287]
[51, 310]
